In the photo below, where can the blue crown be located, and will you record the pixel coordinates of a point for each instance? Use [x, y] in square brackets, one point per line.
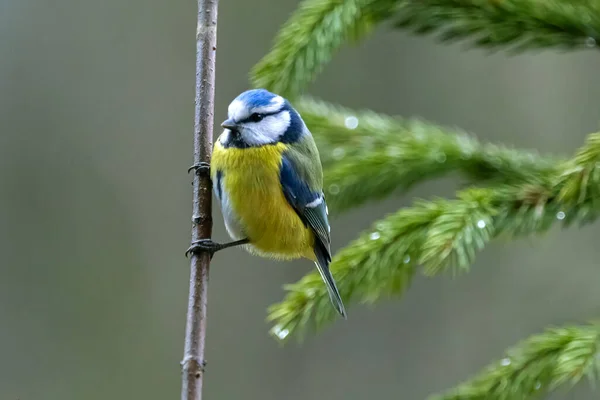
[256, 98]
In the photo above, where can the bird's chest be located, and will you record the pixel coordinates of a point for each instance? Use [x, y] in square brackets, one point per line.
[253, 205]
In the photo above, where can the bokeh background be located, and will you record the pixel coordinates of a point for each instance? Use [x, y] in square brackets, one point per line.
[96, 113]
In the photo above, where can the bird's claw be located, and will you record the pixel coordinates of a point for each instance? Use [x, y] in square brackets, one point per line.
[203, 246]
[202, 168]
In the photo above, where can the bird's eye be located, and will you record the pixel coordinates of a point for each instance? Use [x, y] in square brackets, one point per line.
[256, 117]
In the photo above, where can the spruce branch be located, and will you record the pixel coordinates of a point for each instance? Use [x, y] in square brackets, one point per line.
[442, 235]
[309, 38]
[368, 156]
[523, 24]
[193, 362]
[318, 28]
[536, 366]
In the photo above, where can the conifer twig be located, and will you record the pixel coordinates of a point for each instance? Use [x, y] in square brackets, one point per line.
[441, 235]
[309, 38]
[536, 366]
[368, 156]
[526, 24]
[318, 28]
[193, 362]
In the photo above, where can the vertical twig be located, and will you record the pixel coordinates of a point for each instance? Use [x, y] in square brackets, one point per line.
[206, 45]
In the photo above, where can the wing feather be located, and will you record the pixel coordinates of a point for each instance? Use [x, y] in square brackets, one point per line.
[310, 206]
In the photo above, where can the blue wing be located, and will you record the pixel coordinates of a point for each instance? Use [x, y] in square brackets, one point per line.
[311, 208]
[309, 205]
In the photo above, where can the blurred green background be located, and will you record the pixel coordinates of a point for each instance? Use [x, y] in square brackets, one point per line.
[96, 114]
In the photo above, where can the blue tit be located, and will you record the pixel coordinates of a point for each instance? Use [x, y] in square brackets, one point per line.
[267, 176]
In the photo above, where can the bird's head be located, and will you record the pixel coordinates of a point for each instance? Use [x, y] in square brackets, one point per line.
[258, 117]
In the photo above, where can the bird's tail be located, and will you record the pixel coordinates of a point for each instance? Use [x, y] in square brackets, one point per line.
[322, 263]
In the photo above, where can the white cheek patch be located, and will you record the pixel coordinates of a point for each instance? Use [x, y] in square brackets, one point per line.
[274, 106]
[269, 130]
[224, 138]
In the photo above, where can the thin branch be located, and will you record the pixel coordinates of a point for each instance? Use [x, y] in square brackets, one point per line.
[206, 45]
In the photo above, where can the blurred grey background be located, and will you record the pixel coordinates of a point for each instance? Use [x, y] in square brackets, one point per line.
[96, 113]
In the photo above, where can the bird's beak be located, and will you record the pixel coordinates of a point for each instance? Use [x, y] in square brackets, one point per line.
[229, 124]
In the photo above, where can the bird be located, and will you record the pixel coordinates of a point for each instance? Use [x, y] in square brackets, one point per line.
[267, 176]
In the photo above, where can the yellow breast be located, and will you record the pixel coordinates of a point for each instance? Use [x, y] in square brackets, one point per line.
[250, 182]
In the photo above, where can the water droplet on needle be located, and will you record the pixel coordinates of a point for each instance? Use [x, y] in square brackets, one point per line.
[280, 333]
[351, 122]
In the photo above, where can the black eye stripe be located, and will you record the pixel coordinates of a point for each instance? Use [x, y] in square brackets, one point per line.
[253, 116]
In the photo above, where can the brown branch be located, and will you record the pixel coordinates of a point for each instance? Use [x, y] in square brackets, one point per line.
[206, 45]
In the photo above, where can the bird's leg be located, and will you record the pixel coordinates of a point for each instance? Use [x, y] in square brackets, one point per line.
[202, 168]
[208, 246]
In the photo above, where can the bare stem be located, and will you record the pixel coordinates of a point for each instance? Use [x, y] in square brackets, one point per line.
[206, 45]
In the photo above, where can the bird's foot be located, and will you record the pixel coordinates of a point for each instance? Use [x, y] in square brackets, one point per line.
[210, 247]
[204, 246]
[202, 168]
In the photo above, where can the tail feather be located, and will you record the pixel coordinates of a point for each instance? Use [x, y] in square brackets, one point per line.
[322, 263]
